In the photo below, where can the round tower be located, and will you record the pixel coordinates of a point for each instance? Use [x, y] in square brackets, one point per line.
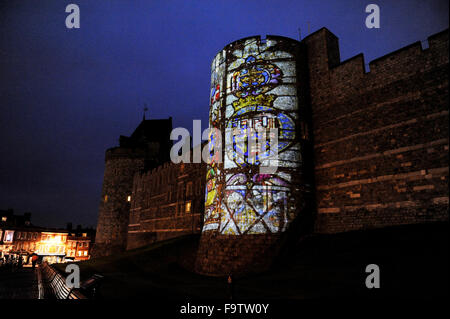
[146, 148]
[257, 85]
[112, 228]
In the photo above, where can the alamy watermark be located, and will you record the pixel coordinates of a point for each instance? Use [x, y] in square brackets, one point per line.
[73, 279]
[73, 19]
[254, 146]
[373, 19]
[373, 280]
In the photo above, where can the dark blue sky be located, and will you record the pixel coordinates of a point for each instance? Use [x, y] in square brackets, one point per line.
[67, 95]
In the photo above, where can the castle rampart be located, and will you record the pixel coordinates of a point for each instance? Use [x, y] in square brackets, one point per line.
[360, 148]
[167, 202]
[380, 137]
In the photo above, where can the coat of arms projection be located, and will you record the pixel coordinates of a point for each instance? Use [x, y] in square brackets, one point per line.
[253, 89]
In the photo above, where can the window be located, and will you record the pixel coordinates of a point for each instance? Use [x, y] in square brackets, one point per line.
[129, 198]
[85, 253]
[84, 235]
[85, 244]
[9, 235]
[4, 218]
[105, 199]
[188, 207]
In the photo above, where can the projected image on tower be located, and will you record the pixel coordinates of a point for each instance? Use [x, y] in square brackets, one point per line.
[253, 87]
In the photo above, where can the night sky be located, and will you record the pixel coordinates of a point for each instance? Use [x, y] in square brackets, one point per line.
[67, 94]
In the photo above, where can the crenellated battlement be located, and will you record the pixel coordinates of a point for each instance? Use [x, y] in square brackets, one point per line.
[376, 154]
[381, 136]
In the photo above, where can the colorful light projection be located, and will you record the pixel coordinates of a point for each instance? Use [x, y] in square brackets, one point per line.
[260, 93]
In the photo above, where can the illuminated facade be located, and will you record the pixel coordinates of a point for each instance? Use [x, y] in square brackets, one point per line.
[18, 237]
[52, 246]
[78, 247]
[379, 155]
[253, 86]
[256, 93]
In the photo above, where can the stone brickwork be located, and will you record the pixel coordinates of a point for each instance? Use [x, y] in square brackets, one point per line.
[257, 82]
[224, 254]
[377, 141]
[146, 148]
[380, 137]
[167, 202]
[120, 167]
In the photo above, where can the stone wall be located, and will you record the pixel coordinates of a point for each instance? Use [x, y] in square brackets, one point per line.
[120, 166]
[379, 140]
[256, 83]
[166, 202]
[224, 254]
[380, 137]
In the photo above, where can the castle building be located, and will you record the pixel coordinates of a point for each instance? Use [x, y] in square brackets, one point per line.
[168, 202]
[148, 147]
[78, 246]
[359, 146]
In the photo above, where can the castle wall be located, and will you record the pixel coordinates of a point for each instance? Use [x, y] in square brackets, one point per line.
[372, 148]
[255, 84]
[120, 166]
[381, 137]
[166, 202]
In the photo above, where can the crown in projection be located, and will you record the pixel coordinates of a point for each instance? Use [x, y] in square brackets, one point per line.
[254, 77]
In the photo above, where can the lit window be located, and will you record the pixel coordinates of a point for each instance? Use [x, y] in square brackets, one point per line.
[85, 253]
[106, 198]
[84, 234]
[188, 207]
[129, 198]
[4, 218]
